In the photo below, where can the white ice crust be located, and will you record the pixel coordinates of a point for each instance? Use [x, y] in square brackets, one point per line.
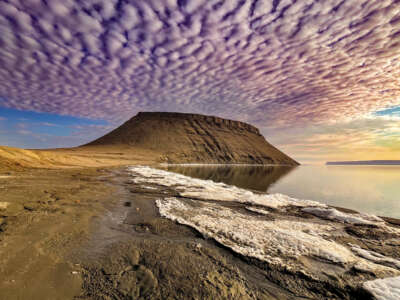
[257, 210]
[210, 190]
[278, 241]
[376, 257]
[384, 289]
[334, 214]
[265, 240]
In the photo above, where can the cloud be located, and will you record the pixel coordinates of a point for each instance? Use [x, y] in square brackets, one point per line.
[272, 63]
[48, 124]
[362, 139]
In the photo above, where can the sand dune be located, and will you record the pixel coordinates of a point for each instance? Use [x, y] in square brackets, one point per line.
[19, 159]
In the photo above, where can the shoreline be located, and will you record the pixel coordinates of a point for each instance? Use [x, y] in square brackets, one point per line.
[140, 240]
[227, 165]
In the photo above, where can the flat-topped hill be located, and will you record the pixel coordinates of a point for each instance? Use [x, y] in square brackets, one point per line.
[193, 138]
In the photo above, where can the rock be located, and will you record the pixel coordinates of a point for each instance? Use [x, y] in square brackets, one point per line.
[117, 264]
[32, 206]
[228, 289]
[113, 266]
[133, 257]
[138, 284]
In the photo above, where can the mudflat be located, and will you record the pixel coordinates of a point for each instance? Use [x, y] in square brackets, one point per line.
[94, 233]
[89, 234]
[44, 216]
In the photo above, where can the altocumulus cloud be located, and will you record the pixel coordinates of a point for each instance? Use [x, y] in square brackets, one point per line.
[273, 63]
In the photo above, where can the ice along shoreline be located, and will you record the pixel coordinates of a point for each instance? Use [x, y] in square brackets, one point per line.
[286, 233]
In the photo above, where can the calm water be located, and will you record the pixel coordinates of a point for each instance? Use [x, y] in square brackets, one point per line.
[370, 189]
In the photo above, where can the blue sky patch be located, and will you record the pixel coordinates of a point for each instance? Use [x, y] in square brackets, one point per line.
[393, 111]
[42, 130]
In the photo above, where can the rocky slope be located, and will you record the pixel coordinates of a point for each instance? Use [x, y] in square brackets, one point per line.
[192, 138]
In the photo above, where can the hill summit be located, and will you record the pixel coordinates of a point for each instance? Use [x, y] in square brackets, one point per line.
[194, 138]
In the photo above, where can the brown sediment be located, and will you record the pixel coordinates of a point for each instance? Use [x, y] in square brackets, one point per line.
[48, 216]
[19, 160]
[92, 234]
[72, 235]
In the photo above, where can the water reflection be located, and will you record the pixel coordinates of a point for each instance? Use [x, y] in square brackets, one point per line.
[370, 189]
[259, 178]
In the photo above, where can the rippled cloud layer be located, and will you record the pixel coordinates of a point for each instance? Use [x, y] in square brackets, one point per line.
[363, 139]
[273, 63]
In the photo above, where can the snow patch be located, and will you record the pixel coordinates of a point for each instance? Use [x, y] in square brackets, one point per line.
[210, 190]
[334, 214]
[384, 289]
[258, 210]
[269, 240]
[149, 187]
[376, 257]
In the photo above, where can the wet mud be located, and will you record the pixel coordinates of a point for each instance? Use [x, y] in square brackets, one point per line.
[94, 234]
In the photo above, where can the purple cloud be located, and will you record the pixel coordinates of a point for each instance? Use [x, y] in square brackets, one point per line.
[273, 63]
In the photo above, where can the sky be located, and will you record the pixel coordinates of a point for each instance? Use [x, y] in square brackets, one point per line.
[319, 78]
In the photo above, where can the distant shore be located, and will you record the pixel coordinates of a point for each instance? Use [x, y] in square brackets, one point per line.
[366, 163]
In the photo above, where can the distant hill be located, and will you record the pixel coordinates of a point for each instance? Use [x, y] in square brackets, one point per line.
[193, 138]
[366, 162]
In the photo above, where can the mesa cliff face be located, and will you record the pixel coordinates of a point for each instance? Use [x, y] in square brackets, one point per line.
[193, 138]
